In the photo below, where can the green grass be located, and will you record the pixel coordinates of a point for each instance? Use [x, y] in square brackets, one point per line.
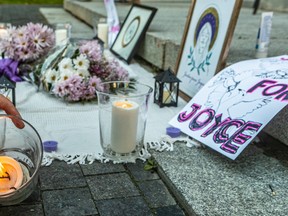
[47, 2]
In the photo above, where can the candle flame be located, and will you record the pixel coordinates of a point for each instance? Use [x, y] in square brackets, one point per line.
[123, 104]
[3, 173]
[2, 169]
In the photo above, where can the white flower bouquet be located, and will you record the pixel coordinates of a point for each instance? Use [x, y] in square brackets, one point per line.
[74, 72]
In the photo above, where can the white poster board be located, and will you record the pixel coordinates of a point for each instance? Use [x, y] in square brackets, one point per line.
[236, 104]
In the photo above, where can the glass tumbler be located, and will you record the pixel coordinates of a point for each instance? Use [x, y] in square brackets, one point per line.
[21, 155]
[123, 107]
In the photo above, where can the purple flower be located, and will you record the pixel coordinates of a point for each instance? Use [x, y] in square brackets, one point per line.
[28, 43]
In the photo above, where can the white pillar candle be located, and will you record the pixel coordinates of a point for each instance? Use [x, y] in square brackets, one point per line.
[103, 33]
[60, 36]
[124, 126]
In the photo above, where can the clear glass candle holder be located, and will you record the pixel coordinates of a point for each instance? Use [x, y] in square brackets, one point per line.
[123, 110]
[23, 147]
[62, 33]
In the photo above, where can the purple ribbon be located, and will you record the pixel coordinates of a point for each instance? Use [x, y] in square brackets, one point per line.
[9, 68]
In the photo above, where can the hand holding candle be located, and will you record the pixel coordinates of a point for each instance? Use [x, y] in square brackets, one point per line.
[124, 126]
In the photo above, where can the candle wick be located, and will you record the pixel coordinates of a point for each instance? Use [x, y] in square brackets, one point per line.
[3, 177]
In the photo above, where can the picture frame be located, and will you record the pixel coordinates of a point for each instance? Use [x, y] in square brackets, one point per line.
[132, 31]
[205, 44]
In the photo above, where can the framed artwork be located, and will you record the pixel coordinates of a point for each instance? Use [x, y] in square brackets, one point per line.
[204, 48]
[132, 31]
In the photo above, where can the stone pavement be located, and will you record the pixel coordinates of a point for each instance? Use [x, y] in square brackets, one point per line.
[96, 189]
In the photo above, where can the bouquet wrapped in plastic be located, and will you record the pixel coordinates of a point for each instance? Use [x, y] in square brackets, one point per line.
[74, 72]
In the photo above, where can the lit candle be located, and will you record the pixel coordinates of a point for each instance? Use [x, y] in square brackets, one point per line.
[103, 33]
[166, 97]
[124, 126]
[60, 36]
[11, 175]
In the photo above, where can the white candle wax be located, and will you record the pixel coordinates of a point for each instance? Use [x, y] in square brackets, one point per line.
[124, 126]
[103, 33]
[60, 36]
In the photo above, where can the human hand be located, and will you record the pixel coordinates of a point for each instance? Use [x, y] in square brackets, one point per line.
[10, 109]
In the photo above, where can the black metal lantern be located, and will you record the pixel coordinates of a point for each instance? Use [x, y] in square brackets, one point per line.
[6, 87]
[166, 89]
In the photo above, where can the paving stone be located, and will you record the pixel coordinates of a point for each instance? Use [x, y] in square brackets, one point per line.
[102, 168]
[174, 210]
[130, 206]
[34, 197]
[111, 186]
[23, 210]
[156, 193]
[60, 175]
[68, 202]
[138, 172]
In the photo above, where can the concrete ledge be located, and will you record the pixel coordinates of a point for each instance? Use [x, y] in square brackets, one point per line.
[209, 184]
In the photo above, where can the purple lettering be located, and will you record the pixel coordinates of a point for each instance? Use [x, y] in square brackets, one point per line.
[273, 92]
[261, 84]
[239, 137]
[217, 124]
[221, 135]
[283, 96]
[196, 124]
[182, 117]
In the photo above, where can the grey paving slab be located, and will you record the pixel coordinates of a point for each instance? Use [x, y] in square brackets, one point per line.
[23, 210]
[138, 172]
[156, 193]
[21, 15]
[68, 202]
[130, 206]
[59, 175]
[111, 186]
[170, 210]
[101, 168]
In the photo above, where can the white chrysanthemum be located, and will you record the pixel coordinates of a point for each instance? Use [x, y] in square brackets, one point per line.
[65, 65]
[82, 72]
[64, 75]
[81, 62]
[51, 75]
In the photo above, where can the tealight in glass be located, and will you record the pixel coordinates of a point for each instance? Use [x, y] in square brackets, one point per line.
[123, 110]
[21, 154]
[62, 33]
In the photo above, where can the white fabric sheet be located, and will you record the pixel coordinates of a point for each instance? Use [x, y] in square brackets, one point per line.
[75, 125]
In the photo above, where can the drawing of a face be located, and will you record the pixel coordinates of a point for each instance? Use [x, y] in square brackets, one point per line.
[131, 31]
[209, 23]
[204, 38]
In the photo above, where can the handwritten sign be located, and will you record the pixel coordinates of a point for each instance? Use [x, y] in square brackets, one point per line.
[236, 104]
